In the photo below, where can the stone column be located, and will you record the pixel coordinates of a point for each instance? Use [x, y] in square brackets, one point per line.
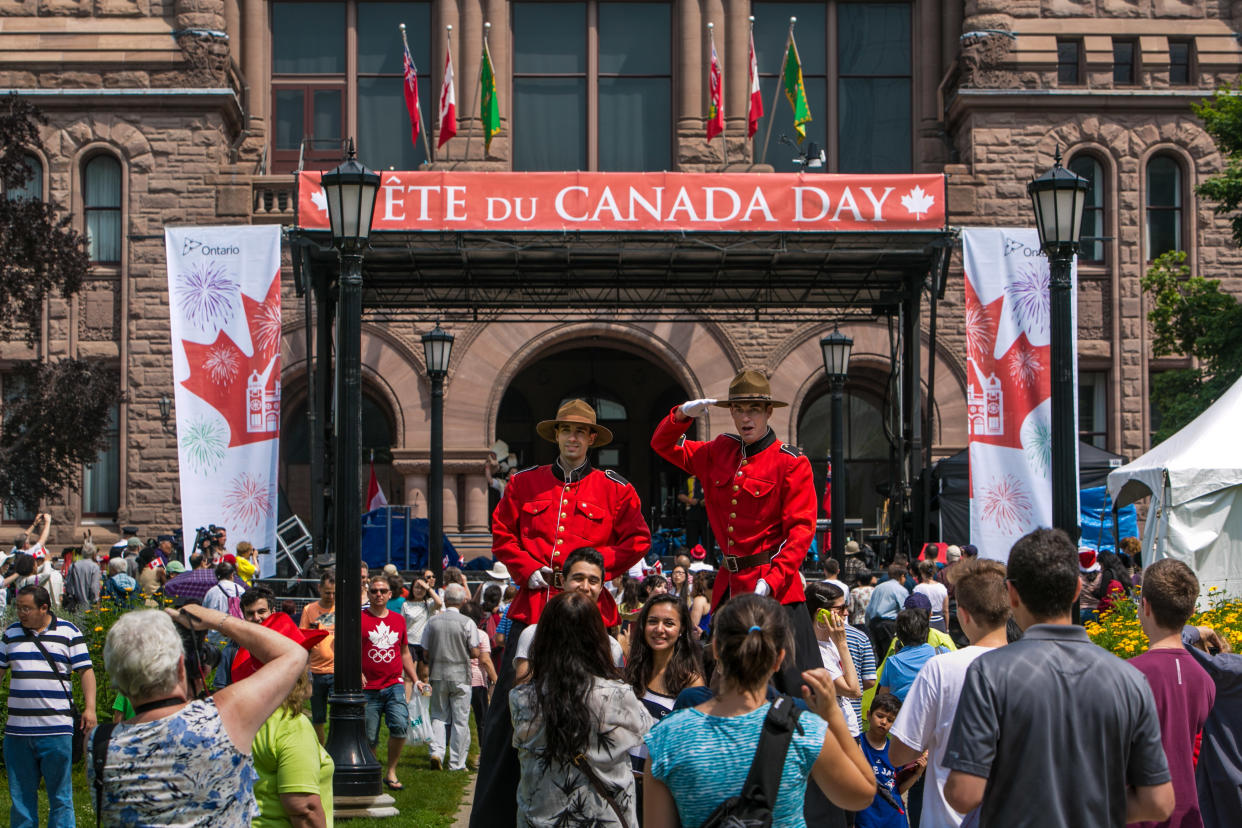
[416, 494]
[452, 519]
[476, 503]
[466, 65]
[254, 35]
[690, 74]
[736, 72]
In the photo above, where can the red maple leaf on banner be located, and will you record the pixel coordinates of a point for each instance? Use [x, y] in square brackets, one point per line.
[244, 389]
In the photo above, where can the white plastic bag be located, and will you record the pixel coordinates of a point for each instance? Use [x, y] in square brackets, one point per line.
[420, 720]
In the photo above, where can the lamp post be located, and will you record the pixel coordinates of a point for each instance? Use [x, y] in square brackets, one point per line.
[836, 348]
[1058, 197]
[350, 190]
[437, 346]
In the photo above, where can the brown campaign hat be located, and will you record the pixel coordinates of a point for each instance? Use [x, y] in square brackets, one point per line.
[750, 386]
[575, 411]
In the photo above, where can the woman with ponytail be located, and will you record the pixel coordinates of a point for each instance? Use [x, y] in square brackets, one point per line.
[574, 723]
[700, 756]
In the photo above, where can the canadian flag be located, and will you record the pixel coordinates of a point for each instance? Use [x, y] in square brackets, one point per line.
[754, 111]
[375, 495]
[448, 102]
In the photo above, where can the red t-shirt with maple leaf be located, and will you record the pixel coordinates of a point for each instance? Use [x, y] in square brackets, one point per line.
[383, 643]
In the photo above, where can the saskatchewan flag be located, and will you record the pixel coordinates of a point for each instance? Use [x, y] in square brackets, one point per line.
[489, 110]
[795, 91]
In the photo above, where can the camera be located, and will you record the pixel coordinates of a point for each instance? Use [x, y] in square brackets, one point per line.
[201, 657]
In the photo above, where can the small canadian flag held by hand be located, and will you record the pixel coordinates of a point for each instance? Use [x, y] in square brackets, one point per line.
[375, 495]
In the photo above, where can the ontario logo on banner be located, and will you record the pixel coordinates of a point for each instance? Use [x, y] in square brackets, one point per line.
[224, 315]
[1009, 384]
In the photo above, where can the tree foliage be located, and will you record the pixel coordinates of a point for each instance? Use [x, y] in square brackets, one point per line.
[1222, 118]
[1191, 316]
[53, 426]
[55, 414]
[39, 253]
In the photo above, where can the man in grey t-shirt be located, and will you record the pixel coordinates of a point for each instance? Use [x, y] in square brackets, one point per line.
[450, 640]
[1052, 730]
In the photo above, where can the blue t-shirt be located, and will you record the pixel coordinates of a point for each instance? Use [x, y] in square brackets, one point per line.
[902, 666]
[880, 814]
[703, 760]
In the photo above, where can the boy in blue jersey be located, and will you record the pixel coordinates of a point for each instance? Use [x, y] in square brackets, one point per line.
[882, 813]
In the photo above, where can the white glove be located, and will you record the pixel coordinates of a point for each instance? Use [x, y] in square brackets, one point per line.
[539, 579]
[762, 588]
[694, 408]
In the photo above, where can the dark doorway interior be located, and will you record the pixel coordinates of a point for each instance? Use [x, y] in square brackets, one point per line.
[629, 393]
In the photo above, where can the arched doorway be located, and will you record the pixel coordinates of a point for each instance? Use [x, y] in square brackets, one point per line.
[630, 393]
[870, 463]
[378, 439]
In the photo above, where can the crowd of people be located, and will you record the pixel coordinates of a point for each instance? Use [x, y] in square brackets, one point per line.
[952, 690]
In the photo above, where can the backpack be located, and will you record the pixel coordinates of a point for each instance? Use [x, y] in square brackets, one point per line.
[753, 807]
[234, 600]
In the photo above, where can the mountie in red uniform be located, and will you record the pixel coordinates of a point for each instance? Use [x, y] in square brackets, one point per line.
[760, 503]
[547, 513]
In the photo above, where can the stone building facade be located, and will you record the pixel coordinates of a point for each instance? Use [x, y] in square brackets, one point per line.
[201, 108]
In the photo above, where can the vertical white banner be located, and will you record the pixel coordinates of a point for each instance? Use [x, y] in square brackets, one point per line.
[224, 314]
[1008, 332]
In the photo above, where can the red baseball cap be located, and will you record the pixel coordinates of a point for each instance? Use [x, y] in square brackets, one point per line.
[245, 664]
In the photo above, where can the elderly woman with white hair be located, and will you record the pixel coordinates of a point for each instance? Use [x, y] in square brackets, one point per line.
[180, 760]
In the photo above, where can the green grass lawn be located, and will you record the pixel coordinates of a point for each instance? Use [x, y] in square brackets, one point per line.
[430, 798]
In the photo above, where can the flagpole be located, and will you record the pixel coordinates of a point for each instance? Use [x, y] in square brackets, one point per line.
[780, 81]
[724, 145]
[421, 123]
[448, 50]
[478, 86]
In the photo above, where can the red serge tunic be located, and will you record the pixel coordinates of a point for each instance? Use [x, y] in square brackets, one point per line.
[546, 514]
[760, 499]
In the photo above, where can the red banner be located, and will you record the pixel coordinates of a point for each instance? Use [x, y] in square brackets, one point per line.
[677, 202]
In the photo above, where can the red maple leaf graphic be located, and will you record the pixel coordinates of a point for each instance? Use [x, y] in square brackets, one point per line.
[220, 372]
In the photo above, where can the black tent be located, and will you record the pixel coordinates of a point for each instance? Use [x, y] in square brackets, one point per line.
[951, 487]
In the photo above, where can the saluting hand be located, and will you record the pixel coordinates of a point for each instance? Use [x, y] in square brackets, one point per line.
[694, 408]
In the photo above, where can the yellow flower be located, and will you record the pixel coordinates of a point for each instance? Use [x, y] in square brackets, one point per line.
[99, 629]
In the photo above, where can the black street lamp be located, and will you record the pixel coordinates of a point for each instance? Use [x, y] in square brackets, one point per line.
[836, 348]
[350, 190]
[166, 407]
[1058, 197]
[437, 346]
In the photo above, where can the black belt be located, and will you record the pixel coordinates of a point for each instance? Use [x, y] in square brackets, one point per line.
[736, 563]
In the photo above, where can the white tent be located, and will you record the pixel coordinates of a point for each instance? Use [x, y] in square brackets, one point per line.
[1194, 479]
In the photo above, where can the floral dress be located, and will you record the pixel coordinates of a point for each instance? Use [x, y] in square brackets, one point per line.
[553, 794]
[182, 770]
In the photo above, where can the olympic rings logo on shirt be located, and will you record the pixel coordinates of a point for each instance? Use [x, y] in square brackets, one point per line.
[382, 656]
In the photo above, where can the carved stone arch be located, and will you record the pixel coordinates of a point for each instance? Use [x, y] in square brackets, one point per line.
[653, 343]
[802, 371]
[389, 368]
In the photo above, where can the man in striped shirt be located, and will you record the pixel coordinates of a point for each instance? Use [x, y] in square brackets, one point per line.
[38, 737]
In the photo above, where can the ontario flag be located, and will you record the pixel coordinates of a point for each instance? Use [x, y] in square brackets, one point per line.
[715, 110]
[375, 495]
[448, 102]
[411, 95]
[754, 111]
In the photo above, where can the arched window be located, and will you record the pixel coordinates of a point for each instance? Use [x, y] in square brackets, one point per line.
[1092, 249]
[101, 196]
[33, 186]
[866, 450]
[1164, 206]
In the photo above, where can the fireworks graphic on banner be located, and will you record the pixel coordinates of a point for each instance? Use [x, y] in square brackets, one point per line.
[247, 501]
[204, 442]
[1024, 364]
[268, 325]
[979, 331]
[1028, 296]
[1037, 443]
[205, 295]
[1006, 504]
[221, 364]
